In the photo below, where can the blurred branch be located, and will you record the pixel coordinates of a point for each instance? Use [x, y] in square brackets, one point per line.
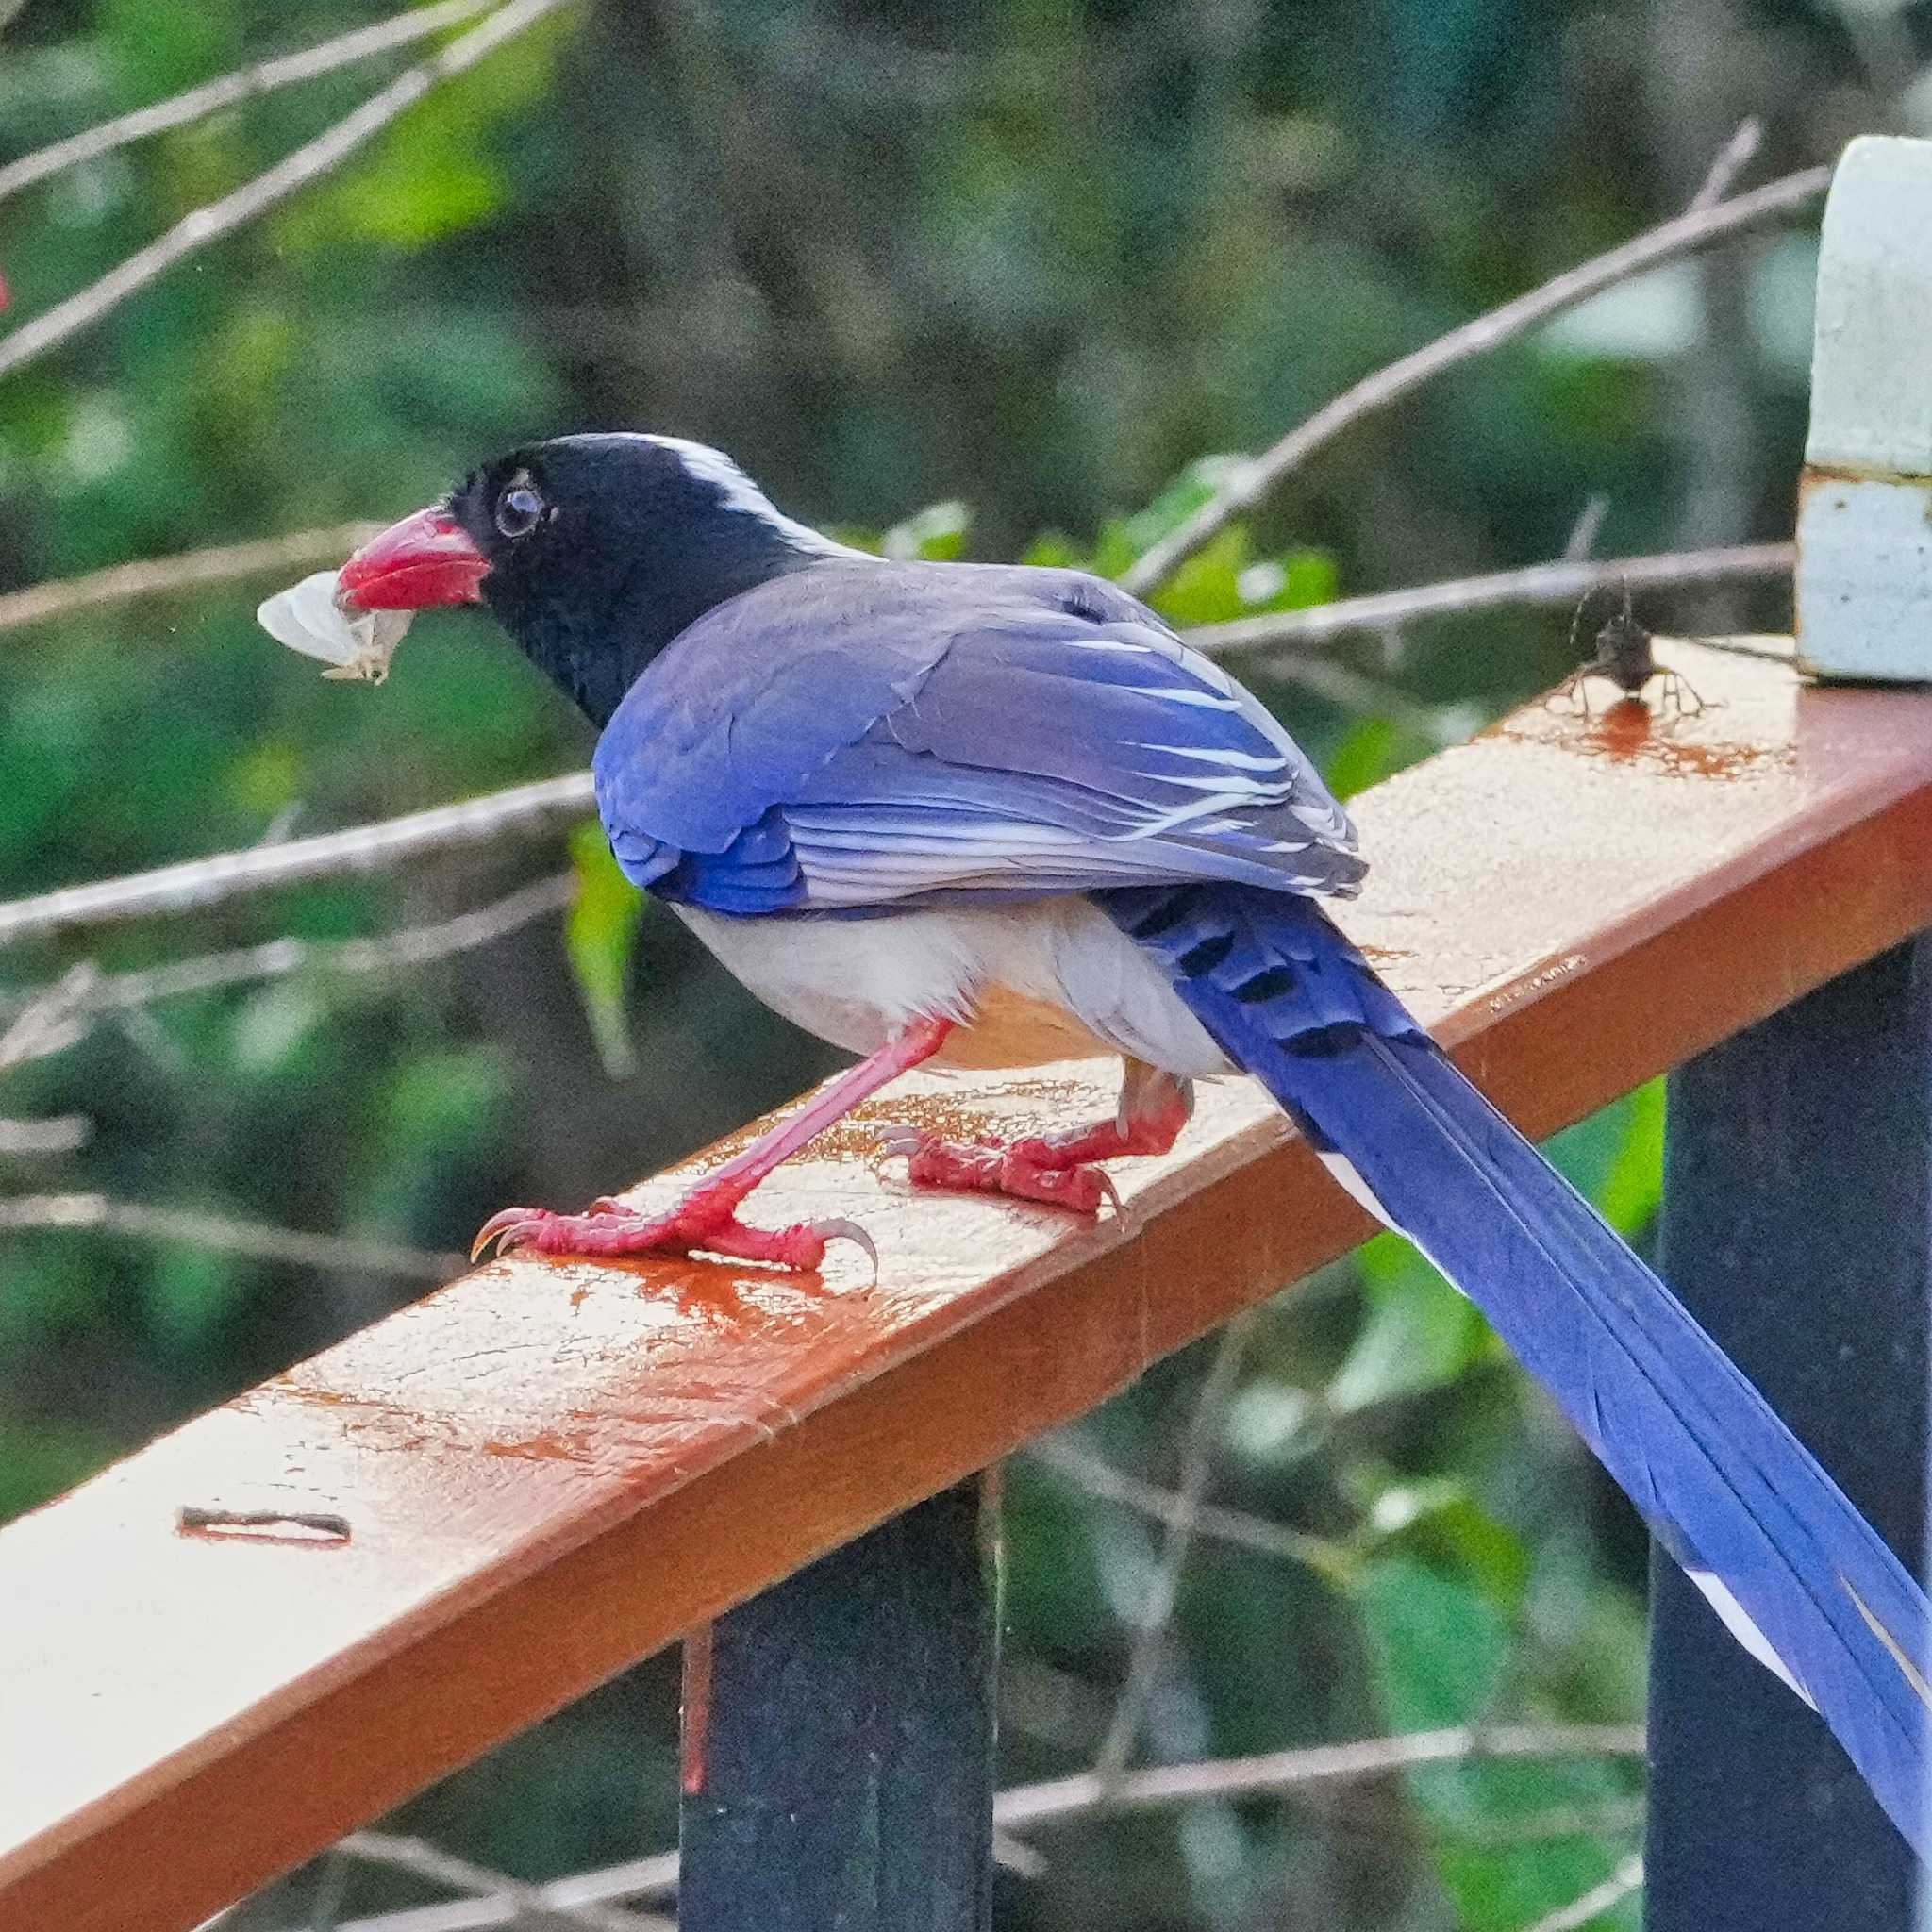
[1538, 583]
[1191, 1493]
[1088, 1795]
[1099, 1478]
[1352, 690]
[527, 1904]
[60, 1134]
[41, 1023]
[1735, 155]
[213, 96]
[155, 576]
[1022, 1807]
[196, 230]
[1252, 482]
[1597, 1900]
[1562, 1821]
[189, 1227]
[1586, 529]
[85, 993]
[524, 808]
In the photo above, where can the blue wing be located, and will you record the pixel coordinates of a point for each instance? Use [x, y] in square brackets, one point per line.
[869, 734]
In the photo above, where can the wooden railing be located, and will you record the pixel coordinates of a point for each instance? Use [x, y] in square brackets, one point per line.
[475, 1511]
[546, 1471]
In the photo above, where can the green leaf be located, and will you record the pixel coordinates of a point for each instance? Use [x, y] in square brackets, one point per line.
[189, 1291]
[1441, 1651]
[1635, 1184]
[1056, 550]
[601, 937]
[1368, 754]
[1420, 1334]
[936, 534]
[1207, 588]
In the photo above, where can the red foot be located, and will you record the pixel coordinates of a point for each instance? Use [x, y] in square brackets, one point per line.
[1055, 1168]
[712, 1224]
[1027, 1170]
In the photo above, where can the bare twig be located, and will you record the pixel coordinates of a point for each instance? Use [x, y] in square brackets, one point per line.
[43, 1024]
[524, 808]
[1435, 725]
[1597, 1900]
[1024, 1808]
[1733, 159]
[1088, 1795]
[1248, 483]
[314, 159]
[189, 1227]
[60, 1134]
[1602, 1819]
[1536, 585]
[191, 571]
[1099, 1478]
[325, 1910]
[1586, 529]
[80, 996]
[1191, 1491]
[526, 1902]
[635, 1878]
[213, 96]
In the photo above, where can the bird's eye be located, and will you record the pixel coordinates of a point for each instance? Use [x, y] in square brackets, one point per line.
[519, 510]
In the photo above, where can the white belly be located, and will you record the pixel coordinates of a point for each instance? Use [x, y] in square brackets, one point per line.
[1050, 979]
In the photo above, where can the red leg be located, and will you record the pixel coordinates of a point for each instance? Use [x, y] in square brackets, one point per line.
[707, 1216]
[1056, 1168]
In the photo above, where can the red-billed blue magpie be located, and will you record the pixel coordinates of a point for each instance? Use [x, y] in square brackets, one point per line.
[997, 815]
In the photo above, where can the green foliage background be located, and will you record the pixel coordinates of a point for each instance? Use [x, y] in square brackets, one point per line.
[992, 278]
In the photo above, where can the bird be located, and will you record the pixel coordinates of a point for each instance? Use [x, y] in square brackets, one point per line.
[992, 815]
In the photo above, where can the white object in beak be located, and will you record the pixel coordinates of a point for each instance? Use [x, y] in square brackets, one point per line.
[307, 618]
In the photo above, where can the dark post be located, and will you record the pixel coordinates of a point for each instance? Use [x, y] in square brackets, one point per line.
[839, 1738]
[1797, 1216]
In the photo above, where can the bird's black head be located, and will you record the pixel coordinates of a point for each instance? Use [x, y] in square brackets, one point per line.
[592, 551]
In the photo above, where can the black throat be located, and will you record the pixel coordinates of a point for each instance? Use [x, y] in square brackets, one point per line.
[594, 622]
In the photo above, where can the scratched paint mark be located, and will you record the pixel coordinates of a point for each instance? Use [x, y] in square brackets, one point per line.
[317, 1526]
[1538, 982]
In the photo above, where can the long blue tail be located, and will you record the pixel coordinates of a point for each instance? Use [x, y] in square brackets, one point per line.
[1797, 1573]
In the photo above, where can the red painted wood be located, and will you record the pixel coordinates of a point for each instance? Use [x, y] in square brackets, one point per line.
[551, 1469]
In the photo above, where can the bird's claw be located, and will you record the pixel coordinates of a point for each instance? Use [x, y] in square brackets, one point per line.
[610, 1229]
[850, 1231]
[510, 1228]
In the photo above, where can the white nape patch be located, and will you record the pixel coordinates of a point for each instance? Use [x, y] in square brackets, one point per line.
[737, 491]
[1732, 1615]
[1345, 1172]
